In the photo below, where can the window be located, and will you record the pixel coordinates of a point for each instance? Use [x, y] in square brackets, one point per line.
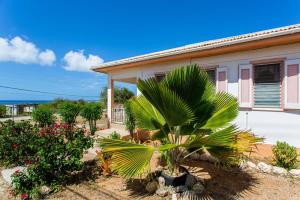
[160, 77]
[267, 86]
[212, 75]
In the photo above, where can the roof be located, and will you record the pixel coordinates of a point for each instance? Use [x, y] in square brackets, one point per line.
[211, 44]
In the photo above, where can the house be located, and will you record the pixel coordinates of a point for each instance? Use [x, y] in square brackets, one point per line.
[17, 109]
[261, 69]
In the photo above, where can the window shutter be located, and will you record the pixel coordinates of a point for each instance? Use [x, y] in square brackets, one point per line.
[245, 85]
[292, 84]
[222, 79]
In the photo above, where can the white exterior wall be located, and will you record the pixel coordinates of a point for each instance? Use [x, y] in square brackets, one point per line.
[273, 125]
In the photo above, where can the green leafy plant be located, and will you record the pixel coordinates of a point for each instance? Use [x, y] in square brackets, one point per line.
[285, 155]
[2, 110]
[92, 112]
[129, 119]
[69, 111]
[43, 115]
[184, 112]
[17, 143]
[115, 135]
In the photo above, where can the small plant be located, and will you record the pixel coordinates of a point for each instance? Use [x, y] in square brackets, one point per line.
[91, 112]
[105, 163]
[129, 120]
[285, 155]
[69, 111]
[2, 111]
[43, 115]
[115, 136]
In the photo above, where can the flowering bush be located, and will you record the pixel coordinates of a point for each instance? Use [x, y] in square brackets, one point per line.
[51, 154]
[18, 143]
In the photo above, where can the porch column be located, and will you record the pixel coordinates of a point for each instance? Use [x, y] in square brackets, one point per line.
[110, 97]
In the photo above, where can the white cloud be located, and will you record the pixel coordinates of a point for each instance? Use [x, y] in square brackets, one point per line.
[77, 61]
[21, 51]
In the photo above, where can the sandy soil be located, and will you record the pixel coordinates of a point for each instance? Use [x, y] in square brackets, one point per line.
[220, 184]
[264, 153]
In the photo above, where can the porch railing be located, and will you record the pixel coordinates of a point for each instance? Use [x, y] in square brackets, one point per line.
[118, 115]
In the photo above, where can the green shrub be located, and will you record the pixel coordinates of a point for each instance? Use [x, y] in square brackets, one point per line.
[17, 143]
[92, 112]
[58, 156]
[285, 155]
[115, 136]
[2, 110]
[69, 111]
[129, 120]
[43, 115]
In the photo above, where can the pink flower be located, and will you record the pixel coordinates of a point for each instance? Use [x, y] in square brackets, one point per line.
[23, 195]
[56, 126]
[14, 146]
[42, 132]
[66, 126]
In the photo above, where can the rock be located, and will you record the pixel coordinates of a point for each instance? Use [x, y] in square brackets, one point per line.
[151, 187]
[162, 192]
[279, 170]
[44, 190]
[251, 165]
[7, 173]
[198, 188]
[295, 173]
[161, 181]
[264, 167]
[190, 181]
[180, 189]
[243, 165]
[174, 196]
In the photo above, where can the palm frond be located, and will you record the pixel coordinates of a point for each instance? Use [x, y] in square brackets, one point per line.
[226, 110]
[128, 159]
[146, 115]
[169, 104]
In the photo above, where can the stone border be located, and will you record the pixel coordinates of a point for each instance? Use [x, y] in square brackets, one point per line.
[270, 169]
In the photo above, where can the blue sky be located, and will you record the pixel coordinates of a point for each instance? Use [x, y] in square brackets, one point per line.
[65, 34]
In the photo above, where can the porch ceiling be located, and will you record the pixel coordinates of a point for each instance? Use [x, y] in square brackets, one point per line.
[132, 80]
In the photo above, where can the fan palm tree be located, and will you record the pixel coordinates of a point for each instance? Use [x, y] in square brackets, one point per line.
[184, 112]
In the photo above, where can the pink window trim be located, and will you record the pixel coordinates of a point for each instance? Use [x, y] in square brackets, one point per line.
[222, 81]
[292, 83]
[245, 85]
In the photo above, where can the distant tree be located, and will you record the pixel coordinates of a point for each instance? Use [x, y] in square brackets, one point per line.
[92, 112]
[69, 111]
[56, 102]
[43, 115]
[2, 110]
[121, 95]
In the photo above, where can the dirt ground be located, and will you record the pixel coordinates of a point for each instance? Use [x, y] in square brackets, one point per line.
[263, 152]
[219, 183]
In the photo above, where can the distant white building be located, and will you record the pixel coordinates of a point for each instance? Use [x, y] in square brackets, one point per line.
[15, 110]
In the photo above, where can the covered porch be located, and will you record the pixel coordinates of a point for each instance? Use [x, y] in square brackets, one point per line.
[115, 111]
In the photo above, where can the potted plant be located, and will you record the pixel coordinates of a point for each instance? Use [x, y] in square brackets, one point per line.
[186, 114]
